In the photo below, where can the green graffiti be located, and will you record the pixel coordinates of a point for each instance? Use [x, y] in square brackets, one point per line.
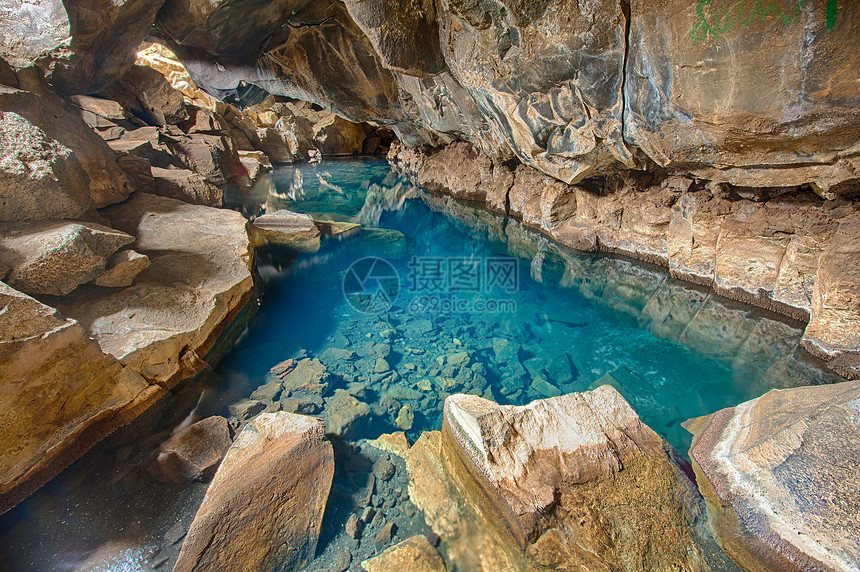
[716, 22]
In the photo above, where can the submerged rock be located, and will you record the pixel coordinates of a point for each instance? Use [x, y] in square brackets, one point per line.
[414, 554]
[264, 508]
[779, 478]
[192, 454]
[344, 414]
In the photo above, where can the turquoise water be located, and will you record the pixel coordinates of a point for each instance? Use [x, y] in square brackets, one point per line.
[567, 322]
[518, 318]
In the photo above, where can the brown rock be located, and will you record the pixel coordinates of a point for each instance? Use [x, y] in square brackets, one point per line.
[61, 394]
[344, 413]
[307, 376]
[188, 186]
[274, 145]
[777, 474]
[55, 257]
[293, 230]
[212, 156]
[122, 268]
[334, 136]
[146, 93]
[414, 554]
[264, 507]
[198, 281]
[192, 454]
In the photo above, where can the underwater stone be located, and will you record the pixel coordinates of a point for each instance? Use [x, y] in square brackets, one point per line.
[414, 554]
[383, 469]
[354, 526]
[285, 228]
[309, 376]
[192, 454]
[545, 388]
[385, 535]
[344, 413]
[246, 408]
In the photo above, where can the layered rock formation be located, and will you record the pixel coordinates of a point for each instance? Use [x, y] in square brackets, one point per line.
[573, 482]
[778, 475]
[286, 458]
[768, 247]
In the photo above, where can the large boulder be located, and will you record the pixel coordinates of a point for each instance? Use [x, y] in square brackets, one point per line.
[186, 185]
[55, 257]
[45, 148]
[264, 508]
[198, 280]
[61, 394]
[779, 477]
[540, 465]
[146, 93]
[81, 46]
[571, 482]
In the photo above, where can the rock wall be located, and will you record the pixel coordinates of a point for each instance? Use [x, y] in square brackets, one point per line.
[790, 252]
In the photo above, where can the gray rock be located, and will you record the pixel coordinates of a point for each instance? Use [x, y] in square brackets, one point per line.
[367, 514]
[56, 257]
[268, 392]
[341, 561]
[186, 185]
[383, 469]
[145, 92]
[385, 535]
[246, 409]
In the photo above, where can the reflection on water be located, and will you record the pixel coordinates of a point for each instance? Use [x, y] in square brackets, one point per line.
[567, 322]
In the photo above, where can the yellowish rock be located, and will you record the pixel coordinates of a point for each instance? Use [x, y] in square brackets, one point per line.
[414, 554]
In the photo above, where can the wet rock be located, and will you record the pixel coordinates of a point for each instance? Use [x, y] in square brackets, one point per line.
[246, 409]
[405, 418]
[308, 376]
[188, 186]
[175, 533]
[506, 350]
[300, 405]
[198, 280]
[776, 474]
[192, 454]
[287, 457]
[293, 230]
[571, 452]
[381, 366]
[56, 257]
[414, 553]
[354, 526]
[267, 392]
[384, 469]
[61, 394]
[122, 268]
[545, 388]
[342, 561]
[337, 355]
[385, 535]
[344, 414]
[367, 514]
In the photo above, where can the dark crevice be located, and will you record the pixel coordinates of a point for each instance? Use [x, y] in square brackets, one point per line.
[625, 10]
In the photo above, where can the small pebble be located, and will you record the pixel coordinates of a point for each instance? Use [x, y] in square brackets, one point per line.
[433, 539]
[354, 526]
[384, 536]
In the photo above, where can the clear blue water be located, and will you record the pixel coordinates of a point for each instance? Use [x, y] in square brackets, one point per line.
[570, 321]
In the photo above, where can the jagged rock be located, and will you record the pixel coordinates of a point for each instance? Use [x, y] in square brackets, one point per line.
[61, 394]
[334, 136]
[274, 145]
[293, 230]
[55, 257]
[414, 554]
[39, 177]
[146, 93]
[531, 474]
[139, 172]
[192, 454]
[7, 74]
[202, 120]
[308, 376]
[255, 162]
[42, 140]
[778, 476]
[100, 107]
[344, 414]
[198, 281]
[405, 418]
[80, 46]
[246, 409]
[122, 268]
[285, 457]
[212, 156]
[188, 186]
